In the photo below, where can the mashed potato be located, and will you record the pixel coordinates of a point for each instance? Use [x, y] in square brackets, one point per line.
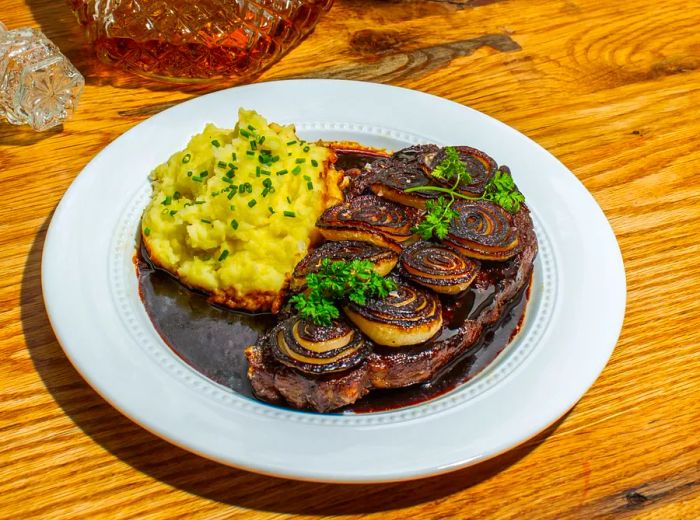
[235, 211]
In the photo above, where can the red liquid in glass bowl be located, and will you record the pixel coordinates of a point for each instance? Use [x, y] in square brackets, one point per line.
[206, 40]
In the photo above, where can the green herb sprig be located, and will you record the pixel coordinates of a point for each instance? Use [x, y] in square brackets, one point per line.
[501, 190]
[452, 168]
[335, 281]
[437, 220]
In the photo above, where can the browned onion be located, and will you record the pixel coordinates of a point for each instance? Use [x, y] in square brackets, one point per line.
[481, 168]
[371, 219]
[391, 182]
[419, 153]
[383, 259]
[407, 316]
[482, 230]
[438, 267]
[313, 349]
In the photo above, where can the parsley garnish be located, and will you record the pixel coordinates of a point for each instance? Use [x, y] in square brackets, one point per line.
[437, 219]
[355, 280]
[500, 189]
[452, 167]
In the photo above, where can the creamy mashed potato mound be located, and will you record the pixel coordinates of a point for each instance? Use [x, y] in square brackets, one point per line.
[235, 211]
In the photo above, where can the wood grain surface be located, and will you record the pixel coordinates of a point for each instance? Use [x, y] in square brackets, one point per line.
[611, 88]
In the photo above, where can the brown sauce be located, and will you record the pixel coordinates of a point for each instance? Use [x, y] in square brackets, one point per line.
[212, 339]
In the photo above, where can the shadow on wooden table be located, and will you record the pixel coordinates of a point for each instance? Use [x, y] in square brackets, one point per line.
[193, 474]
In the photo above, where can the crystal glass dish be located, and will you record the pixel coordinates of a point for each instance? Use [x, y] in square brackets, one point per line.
[38, 85]
[188, 41]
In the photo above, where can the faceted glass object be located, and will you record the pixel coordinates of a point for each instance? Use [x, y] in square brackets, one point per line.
[202, 40]
[38, 85]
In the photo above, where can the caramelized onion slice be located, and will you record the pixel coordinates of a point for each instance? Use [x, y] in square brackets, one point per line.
[481, 168]
[407, 316]
[383, 259]
[482, 230]
[419, 154]
[391, 182]
[438, 267]
[371, 219]
[317, 350]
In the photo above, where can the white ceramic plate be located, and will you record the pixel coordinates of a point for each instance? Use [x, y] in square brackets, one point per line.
[572, 323]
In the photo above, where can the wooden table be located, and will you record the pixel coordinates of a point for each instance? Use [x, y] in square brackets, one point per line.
[611, 88]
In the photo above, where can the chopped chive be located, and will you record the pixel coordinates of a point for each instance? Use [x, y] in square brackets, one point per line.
[289, 200]
[251, 128]
[265, 192]
[307, 178]
[232, 207]
[229, 174]
[177, 195]
[215, 193]
[265, 172]
[205, 221]
[233, 156]
[306, 148]
[232, 166]
[272, 211]
[296, 170]
[173, 212]
[282, 172]
[187, 204]
[199, 202]
[290, 214]
[230, 195]
[189, 174]
[251, 203]
[301, 160]
[314, 163]
[290, 143]
[309, 185]
[244, 133]
[215, 143]
[196, 178]
[261, 140]
[221, 164]
[257, 171]
[167, 200]
[186, 158]
[223, 255]
[267, 183]
[249, 152]
[274, 159]
[226, 179]
[253, 145]
[147, 231]
[203, 173]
